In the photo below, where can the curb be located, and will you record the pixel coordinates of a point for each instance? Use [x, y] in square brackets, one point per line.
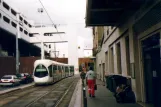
[76, 100]
[15, 89]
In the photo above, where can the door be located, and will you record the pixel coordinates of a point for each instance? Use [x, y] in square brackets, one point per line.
[152, 72]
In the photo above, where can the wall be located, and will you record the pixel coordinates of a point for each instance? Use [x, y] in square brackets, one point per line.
[8, 64]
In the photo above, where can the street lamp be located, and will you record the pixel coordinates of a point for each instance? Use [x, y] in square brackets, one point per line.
[40, 10]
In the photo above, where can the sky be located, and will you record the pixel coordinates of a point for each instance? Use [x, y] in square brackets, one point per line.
[63, 12]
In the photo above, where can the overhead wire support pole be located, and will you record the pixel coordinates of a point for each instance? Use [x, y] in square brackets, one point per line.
[17, 47]
[40, 10]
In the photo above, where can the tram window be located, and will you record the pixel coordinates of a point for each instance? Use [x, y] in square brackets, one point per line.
[50, 70]
[72, 68]
[40, 71]
[6, 19]
[6, 6]
[66, 69]
[59, 68]
[14, 24]
[54, 67]
[13, 12]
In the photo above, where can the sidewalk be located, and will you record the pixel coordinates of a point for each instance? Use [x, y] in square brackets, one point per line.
[105, 98]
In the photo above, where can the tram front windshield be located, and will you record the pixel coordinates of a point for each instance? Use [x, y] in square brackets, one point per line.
[40, 71]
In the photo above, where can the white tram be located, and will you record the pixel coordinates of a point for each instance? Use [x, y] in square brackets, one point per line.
[48, 71]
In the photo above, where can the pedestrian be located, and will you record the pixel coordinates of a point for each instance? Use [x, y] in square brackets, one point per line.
[83, 75]
[91, 80]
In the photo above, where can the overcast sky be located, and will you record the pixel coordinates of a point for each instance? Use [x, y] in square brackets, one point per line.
[63, 12]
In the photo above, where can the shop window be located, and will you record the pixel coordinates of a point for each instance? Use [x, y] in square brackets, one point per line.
[13, 12]
[14, 24]
[6, 19]
[6, 6]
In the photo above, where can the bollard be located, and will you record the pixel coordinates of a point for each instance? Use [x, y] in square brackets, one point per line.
[84, 95]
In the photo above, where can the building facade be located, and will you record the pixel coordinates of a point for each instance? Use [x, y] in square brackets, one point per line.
[133, 49]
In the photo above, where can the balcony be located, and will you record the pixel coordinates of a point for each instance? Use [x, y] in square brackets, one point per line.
[109, 12]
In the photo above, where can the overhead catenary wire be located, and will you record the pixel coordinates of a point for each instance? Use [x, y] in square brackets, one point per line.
[49, 16]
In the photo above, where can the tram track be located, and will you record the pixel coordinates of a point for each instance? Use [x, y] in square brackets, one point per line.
[48, 96]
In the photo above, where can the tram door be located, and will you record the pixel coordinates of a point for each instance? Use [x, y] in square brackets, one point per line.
[152, 72]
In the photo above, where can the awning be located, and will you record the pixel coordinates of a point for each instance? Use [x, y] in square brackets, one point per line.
[109, 12]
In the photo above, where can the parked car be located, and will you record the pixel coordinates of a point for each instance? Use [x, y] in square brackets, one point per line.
[25, 77]
[9, 80]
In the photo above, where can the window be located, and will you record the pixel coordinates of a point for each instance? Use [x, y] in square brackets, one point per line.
[48, 34]
[50, 70]
[127, 54]
[118, 52]
[59, 68]
[14, 24]
[49, 46]
[6, 19]
[31, 35]
[112, 27]
[29, 25]
[107, 31]
[54, 68]
[25, 22]
[21, 29]
[66, 69]
[13, 12]
[112, 60]
[6, 6]
[25, 32]
[0, 15]
[71, 68]
[20, 18]
[41, 71]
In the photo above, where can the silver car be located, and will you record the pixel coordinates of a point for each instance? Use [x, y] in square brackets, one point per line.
[9, 80]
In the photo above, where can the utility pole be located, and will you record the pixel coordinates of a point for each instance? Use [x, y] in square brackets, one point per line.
[54, 50]
[17, 47]
[40, 10]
